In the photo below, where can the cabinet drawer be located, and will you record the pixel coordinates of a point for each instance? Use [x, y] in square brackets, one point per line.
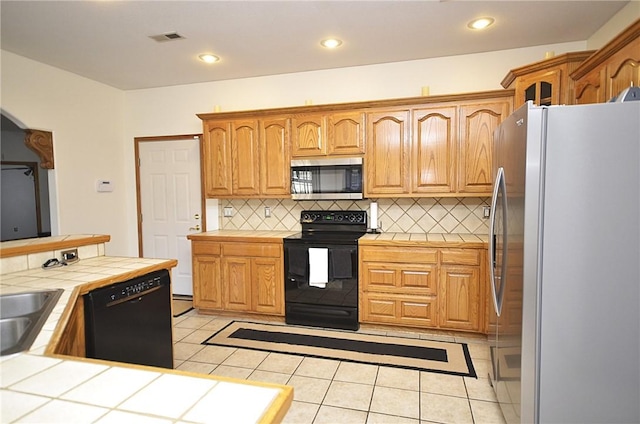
[399, 310]
[399, 278]
[206, 248]
[398, 254]
[270, 250]
[461, 256]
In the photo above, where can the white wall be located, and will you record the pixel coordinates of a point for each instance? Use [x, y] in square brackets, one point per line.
[625, 17]
[87, 122]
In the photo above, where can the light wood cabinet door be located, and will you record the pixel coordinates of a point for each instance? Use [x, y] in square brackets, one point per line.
[345, 133]
[245, 158]
[207, 282]
[268, 285]
[237, 278]
[478, 122]
[387, 156]
[433, 150]
[459, 295]
[275, 163]
[385, 308]
[590, 88]
[308, 135]
[623, 70]
[216, 158]
[543, 88]
[400, 278]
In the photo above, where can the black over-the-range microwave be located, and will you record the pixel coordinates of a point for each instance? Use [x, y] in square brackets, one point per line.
[326, 179]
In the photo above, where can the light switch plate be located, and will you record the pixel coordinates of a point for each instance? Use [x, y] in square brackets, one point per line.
[227, 211]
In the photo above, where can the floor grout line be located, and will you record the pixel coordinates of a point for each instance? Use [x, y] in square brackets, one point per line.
[421, 388]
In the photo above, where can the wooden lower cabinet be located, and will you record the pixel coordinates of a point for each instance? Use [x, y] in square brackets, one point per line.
[237, 277]
[243, 277]
[207, 284]
[410, 311]
[423, 287]
[460, 294]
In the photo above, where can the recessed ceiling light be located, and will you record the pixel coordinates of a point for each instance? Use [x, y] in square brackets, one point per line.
[480, 23]
[209, 58]
[331, 43]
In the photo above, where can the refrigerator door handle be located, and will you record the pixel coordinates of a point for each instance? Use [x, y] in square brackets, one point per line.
[499, 186]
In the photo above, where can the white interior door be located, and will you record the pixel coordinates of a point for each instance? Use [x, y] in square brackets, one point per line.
[170, 199]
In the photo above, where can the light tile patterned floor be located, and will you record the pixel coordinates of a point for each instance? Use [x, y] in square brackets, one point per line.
[331, 391]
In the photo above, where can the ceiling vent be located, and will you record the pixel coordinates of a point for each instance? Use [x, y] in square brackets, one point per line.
[171, 36]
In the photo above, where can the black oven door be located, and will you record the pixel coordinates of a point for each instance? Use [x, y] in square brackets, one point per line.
[333, 302]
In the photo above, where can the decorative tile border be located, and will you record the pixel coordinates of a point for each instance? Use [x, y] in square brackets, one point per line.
[449, 215]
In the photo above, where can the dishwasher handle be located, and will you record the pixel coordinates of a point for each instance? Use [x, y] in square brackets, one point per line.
[137, 297]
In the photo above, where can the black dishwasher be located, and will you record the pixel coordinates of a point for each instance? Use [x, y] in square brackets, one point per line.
[131, 321]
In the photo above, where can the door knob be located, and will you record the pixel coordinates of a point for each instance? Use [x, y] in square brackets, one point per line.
[196, 228]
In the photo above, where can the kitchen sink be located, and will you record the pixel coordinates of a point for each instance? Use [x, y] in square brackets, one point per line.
[22, 316]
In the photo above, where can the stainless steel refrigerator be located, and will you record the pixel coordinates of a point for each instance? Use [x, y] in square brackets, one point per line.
[565, 264]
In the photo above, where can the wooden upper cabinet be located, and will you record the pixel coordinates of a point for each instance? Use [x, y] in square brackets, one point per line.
[542, 89]
[590, 88]
[611, 69]
[340, 133]
[546, 82]
[275, 157]
[245, 158]
[345, 133]
[216, 155]
[433, 150]
[623, 72]
[387, 157]
[421, 146]
[477, 124]
[309, 137]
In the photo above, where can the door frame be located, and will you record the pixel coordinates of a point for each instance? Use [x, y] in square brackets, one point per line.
[137, 141]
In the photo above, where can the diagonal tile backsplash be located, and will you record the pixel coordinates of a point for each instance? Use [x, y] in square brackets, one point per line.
[405, 215]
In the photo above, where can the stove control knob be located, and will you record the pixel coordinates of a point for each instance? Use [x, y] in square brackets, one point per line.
[352, 218]
[339, 217]
[306, 217]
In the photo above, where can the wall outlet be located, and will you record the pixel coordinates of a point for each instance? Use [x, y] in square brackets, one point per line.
[70, 255]
[227, 212]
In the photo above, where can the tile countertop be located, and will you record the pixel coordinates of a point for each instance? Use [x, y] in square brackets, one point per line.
[426, 240]
[385, 239]
[241, 235]
[37, 387]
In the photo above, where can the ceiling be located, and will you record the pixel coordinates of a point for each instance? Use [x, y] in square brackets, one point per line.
[109, 41]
